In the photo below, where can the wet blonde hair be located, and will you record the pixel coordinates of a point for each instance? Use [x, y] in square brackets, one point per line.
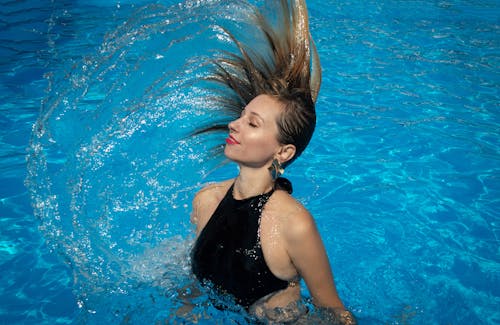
[287, 69]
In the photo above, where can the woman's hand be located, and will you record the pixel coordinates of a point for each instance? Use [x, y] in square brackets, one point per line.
[345, 317]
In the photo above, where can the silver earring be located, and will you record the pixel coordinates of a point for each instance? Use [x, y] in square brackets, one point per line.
[276, 169]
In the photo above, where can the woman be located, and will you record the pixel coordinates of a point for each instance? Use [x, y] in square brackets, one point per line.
[254, 240]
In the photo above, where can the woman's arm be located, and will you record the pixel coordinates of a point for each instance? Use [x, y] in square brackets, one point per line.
[308, 254]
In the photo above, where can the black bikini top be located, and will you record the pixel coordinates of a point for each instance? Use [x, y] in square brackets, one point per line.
[228, 252]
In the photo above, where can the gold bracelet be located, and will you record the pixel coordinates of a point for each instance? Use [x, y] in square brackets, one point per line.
[347, 318]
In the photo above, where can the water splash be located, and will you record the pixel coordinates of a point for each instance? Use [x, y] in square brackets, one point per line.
[111, 169]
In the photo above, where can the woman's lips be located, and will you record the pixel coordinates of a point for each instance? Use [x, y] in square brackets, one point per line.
[231, 140]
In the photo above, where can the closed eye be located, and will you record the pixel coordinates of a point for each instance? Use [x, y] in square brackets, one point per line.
[253, 118]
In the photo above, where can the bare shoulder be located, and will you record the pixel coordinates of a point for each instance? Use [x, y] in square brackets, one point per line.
[297, 220]
[206, 201]
[214, 191]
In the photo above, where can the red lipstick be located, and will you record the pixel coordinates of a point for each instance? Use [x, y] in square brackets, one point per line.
[231, 140]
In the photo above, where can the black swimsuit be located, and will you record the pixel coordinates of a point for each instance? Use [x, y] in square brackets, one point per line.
[228, 253]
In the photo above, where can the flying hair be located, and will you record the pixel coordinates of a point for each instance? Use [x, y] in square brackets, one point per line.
[287, 68]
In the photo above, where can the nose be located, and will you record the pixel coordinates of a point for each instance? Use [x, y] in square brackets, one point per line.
[233, 125]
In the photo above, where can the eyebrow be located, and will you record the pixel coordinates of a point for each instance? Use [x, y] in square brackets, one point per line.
[258, 116]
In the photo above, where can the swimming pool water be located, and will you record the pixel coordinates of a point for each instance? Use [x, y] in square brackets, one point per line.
[402, 174]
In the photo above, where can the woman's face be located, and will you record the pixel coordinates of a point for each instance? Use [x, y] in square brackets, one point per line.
[252, 139]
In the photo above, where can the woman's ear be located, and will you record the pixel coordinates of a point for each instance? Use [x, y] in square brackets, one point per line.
[286, 153]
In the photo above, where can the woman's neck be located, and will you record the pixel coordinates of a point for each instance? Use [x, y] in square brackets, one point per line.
[252, 182]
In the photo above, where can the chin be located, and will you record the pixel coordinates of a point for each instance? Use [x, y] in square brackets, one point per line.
[231, 155]
[227, 153]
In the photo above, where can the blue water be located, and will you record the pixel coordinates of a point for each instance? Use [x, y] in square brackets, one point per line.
[402, 174]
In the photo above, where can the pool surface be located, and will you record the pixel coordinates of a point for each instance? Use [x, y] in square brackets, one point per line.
[97, 171]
